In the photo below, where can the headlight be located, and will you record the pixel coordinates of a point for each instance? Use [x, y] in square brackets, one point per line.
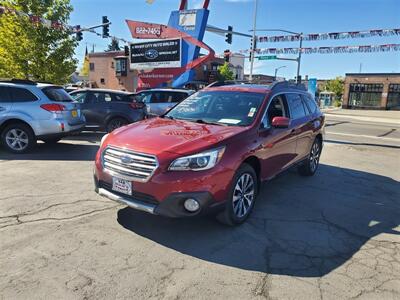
[103, 139]
[197, 162]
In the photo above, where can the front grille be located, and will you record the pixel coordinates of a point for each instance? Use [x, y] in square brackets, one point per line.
[129, 165]
[135, 195]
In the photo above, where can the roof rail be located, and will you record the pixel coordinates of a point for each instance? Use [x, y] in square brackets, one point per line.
[227, 82]
[20, 81]
[288, 84]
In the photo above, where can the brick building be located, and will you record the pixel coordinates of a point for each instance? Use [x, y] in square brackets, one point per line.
[104, 71]
[372, 91]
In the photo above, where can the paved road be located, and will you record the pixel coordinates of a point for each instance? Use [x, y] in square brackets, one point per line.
[333, 236]
[348, 129]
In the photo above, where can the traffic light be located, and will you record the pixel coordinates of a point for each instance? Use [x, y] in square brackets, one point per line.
[126, 50]
[106, 28]
[79, 35]
[227, 54]
[253, 47]
[229, 35]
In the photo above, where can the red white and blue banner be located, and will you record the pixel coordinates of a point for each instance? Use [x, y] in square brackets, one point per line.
[328, 50]
[330, 35]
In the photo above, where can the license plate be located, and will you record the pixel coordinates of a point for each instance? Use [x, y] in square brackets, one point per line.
[74, 113]
[122, 186]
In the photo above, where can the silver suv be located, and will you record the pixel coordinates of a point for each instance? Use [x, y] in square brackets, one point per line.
[159, 101]
[32, 111]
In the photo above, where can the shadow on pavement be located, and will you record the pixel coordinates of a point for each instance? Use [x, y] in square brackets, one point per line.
[60, 151]
[300, 226]
[82, 147]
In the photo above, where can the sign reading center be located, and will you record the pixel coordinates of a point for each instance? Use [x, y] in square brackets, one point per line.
[156, 54]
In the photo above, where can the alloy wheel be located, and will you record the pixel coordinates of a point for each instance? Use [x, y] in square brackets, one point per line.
[17, 139]
[314, 156]
[243, 195]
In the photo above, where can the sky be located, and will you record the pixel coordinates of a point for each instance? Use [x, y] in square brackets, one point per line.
[308, 16]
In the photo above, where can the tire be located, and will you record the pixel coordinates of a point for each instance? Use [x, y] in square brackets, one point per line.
[238, 206]
[18, 138]
[52, 140]
[310, 165]
[115, 123]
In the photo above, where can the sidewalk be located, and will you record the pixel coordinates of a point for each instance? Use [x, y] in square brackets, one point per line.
[379, 116]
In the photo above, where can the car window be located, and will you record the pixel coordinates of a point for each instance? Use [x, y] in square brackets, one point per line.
[297, 109]
[312, 105]
[4, 94]
[277, 108]
[79, 97]
[57, 94]
[229, 108]
[176, 97]
[119, 98]
[99, 97]
[21, 95]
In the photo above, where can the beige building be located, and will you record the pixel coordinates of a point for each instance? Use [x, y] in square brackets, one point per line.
[372, 91]
[104, 72]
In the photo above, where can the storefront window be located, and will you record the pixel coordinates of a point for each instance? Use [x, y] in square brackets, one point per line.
[365, 95]
[394, 97]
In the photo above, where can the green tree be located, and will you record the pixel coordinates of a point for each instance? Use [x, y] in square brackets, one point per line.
[113, 46]
[336, 86]
[32, 50]
[225, 73]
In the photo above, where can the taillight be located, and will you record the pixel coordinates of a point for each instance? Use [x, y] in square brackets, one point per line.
[137, 105]
[53, 107]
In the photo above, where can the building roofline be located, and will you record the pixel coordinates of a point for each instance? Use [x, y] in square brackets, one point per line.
[372, 74]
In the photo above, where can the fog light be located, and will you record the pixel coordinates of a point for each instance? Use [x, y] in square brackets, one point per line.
[191, 205]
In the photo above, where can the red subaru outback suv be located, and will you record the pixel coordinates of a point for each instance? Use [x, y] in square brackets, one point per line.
[211, 151]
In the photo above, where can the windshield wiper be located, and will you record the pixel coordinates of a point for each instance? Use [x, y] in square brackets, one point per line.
[201, 121]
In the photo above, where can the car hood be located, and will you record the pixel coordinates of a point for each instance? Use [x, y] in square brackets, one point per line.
[157, 135]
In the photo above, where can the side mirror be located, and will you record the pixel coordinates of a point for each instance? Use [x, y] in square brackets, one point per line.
[280, 122]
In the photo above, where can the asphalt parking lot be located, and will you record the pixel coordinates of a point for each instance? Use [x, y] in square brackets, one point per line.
[333, 236]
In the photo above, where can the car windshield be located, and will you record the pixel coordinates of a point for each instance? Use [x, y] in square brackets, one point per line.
[219, 107]
[57, 94]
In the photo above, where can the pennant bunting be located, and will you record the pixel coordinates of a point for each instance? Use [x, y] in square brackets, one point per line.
[328, 50]
[330, 36]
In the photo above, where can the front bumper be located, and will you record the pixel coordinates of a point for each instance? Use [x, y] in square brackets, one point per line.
[171, 207]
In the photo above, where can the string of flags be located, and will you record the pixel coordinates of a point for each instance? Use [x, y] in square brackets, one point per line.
[328, 50]
[37, 20]
[330, 35]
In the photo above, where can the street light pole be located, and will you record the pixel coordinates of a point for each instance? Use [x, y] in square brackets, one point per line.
[252, 54]
[276, 71]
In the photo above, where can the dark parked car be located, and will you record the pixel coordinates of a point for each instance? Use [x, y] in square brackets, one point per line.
[159, 101]
[108, 109]
[212, 151]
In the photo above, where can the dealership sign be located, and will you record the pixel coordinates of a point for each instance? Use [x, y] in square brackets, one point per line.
[156, 54]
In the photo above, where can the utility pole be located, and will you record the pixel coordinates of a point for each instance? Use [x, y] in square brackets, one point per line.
[360, 68]
[252, 51]
[299, 59]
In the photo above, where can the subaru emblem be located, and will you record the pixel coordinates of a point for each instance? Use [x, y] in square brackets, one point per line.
[126, 159]
[151, 54]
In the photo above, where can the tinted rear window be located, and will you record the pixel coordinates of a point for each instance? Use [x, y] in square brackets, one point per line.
[57, 94]
[21, 95]
[4, 94]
